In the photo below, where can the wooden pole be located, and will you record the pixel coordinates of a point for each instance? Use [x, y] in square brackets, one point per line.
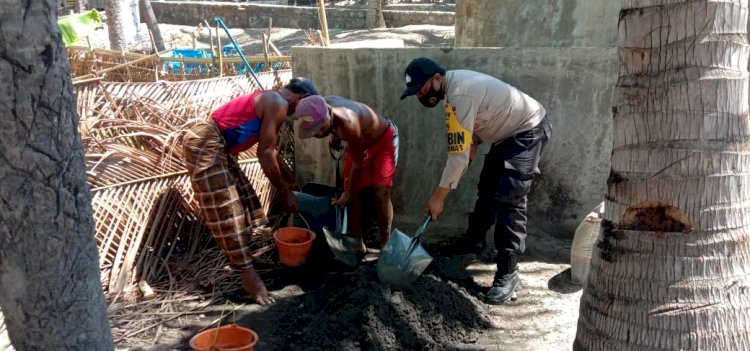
[321, 38]
[221, 52]
[270, 21]
[156, 64]
[266, 39]
[148, 12]
[182, 66]
[127, 68]
[275, 49]
[87, 80]
[211, 41]
[323, 21]
[265, 52]
[210, 36]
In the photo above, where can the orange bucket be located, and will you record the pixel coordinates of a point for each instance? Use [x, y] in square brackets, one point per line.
[294, 243]
[230, 337]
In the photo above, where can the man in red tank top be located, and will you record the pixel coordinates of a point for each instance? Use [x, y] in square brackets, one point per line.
[228, 202]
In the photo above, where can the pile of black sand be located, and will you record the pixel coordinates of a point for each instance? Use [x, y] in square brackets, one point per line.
[358, 312]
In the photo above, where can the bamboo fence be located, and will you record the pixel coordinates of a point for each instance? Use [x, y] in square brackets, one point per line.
[117, 66]
[146, 223]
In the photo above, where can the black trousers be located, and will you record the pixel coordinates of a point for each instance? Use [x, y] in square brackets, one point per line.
[504, 184]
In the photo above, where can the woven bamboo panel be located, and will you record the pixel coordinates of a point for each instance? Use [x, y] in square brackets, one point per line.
[162, 211]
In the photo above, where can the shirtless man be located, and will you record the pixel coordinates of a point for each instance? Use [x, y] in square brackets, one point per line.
[371, 154]
[227, 200]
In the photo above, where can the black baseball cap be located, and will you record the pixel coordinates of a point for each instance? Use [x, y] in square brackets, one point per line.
[418, 72]
[301, 85]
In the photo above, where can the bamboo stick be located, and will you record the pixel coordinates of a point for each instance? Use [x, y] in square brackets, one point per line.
[153, 47]
[267, 62]
[107, 51]
[160, 176]
[127, 64]
[323, 21]
[127, 68]
[275, 49]
[221, 52]
[250, 59]
[268, 38]
[87, 80]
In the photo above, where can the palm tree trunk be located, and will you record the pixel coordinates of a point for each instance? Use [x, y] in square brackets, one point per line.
[147, 12]
[50, 291]
[670, 270]
[121, 24]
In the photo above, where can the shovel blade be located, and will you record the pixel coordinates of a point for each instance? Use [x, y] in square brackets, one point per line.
[402, 261]
[344, 248]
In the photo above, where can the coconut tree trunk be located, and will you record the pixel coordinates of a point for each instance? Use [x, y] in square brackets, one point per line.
[375, 14]
[50, 291]
[121, 23]
[147, 12]
[671, 269]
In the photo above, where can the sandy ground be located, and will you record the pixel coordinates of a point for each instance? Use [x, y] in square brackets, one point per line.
[323, 307]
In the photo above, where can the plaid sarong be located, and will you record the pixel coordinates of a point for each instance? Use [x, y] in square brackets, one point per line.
[229, 205]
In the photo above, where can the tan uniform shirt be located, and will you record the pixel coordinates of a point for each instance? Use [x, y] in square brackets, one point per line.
[479, 105]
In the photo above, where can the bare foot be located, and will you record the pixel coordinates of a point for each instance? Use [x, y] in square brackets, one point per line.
[255, 287]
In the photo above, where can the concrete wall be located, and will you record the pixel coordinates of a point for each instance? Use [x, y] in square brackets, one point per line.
[575, 85]
[248, 15]
[536, 23]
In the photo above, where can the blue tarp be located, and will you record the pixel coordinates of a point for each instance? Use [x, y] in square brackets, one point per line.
[190, 68]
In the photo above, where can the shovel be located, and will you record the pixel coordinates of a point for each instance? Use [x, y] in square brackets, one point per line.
[344, 247]
[403, 259]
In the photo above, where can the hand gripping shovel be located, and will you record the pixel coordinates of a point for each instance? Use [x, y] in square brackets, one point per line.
[403, 259]
[344, 247]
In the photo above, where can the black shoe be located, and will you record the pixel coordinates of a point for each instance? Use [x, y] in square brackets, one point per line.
[503, 288]
[506, 278]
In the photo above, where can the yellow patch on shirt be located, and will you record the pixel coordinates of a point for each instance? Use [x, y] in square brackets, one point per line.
[459, 138]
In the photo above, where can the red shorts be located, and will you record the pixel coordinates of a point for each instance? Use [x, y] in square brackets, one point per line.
[379, 164]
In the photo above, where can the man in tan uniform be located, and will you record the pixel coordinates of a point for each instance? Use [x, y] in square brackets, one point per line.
[480, 108]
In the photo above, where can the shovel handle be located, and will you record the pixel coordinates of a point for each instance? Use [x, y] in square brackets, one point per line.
[342, 221]
[337, 192]
[422, 227]
[415, 240]
[340, 152]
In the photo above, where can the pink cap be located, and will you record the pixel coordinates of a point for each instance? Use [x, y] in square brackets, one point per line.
[312, 111]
